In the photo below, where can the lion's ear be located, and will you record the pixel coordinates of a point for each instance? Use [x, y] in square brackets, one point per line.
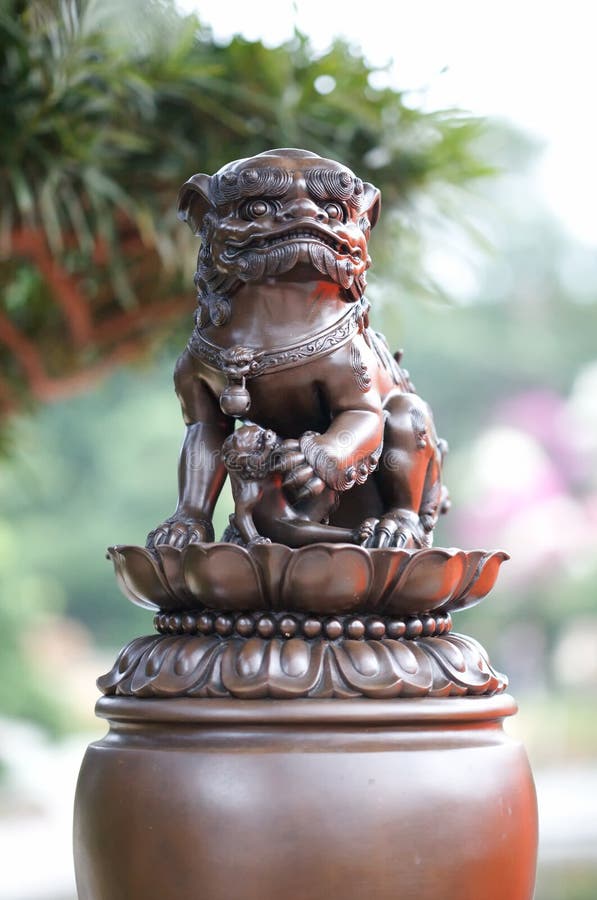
[372, 202]
[193, 201]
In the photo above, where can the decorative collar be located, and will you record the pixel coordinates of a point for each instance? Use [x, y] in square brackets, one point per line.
[240, 362]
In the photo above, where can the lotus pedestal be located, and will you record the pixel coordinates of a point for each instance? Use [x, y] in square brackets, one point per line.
[346, 747]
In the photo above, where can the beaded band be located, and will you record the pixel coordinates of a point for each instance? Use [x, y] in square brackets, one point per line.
[290, 625]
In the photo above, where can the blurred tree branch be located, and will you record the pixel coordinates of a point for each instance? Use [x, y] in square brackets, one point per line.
[105, 109]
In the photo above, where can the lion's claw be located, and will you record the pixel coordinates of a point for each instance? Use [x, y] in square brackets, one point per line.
[179, 533]
[397, 528]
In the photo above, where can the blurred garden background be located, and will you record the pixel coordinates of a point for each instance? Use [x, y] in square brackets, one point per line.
[477, 122]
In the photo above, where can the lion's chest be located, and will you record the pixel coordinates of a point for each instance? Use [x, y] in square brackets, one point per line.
[289, 402]
[307, 396]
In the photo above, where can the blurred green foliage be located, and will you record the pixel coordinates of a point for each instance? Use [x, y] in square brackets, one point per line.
[106, 108]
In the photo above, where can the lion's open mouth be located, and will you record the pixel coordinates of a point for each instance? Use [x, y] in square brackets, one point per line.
[273, 254]
[297, 236]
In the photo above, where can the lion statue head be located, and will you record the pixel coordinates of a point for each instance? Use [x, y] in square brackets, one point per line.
[263, 216]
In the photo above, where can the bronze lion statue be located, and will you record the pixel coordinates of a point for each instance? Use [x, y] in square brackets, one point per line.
[282, 343]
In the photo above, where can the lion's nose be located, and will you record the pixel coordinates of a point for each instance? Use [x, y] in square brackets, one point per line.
[302, 208]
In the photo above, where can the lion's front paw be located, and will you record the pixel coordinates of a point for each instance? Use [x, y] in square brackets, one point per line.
[179, 532]
[396, 528]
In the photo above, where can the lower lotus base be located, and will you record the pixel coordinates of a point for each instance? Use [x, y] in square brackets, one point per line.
[288, 664]
[193, 799]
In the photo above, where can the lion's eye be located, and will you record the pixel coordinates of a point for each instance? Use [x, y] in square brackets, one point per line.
[256, 209]
[334, 211]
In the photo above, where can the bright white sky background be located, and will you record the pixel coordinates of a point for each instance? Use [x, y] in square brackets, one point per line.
[530, 61]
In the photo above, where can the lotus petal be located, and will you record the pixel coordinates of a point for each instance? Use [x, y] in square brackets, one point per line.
[250, 658]
[180, 665]
[125, 665]
[275, 668]
[364, 657]
[307, 666]
[465, 664]
[295, 657]
[375, 670]
[332, 578]
[171, 561]
[480, 576]
[272, 561]
[414, 665]
[329, 579]
[387, 567]
[403, 655]
[139, 578]
[223, 576]
[474, 559]
[426, 581]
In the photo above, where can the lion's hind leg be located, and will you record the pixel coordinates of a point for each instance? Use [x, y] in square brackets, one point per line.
[409, 475]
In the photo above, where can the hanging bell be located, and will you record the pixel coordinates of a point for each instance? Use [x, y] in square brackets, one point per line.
[235, 399]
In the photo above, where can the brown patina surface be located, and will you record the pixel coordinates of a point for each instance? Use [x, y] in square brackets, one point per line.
[305, 724]
[336, 446]
[325, 577]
